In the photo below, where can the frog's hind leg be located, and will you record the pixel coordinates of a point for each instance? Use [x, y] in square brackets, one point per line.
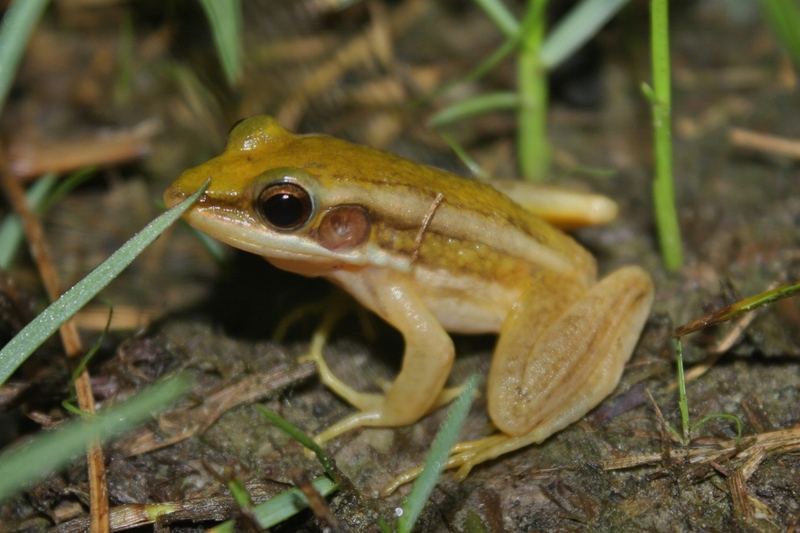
[544, 378]
[552, 379]
[568, 369]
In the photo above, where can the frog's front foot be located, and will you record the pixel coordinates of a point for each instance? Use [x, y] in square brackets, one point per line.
[363, 401]
[374, 411]
[428, 357]
[357, 420]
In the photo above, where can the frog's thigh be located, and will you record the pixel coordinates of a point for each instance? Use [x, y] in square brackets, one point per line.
[428, 355]
[542, 381]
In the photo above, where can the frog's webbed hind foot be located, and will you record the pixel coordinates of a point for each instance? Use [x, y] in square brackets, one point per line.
[466, 455]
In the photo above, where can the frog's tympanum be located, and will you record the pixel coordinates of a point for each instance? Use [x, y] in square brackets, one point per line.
[432, 252]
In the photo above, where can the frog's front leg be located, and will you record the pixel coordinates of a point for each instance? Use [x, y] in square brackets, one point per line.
[427, 359]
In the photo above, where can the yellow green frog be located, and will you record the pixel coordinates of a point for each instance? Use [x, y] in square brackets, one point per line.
[431, 252]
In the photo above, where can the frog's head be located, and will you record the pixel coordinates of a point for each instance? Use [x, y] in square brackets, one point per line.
[280, 212]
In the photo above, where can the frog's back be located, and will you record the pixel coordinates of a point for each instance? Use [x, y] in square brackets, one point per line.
[472, 228]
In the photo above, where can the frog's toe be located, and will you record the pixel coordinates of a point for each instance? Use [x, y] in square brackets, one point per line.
[448, 395]
[464, 456]
[384, 384]
[357, 420]
[293, 317]
[456, 460]
[363, 401]
[406, 477]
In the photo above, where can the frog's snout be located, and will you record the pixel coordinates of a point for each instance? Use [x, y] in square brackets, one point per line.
[184, 186]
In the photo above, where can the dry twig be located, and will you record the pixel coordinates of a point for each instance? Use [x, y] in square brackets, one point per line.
[765, 143]
[69, 337]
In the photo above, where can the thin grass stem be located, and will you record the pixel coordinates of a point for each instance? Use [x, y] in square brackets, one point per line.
[661, 103]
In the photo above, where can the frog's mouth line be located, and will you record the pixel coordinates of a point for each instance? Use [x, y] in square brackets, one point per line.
[251, 235]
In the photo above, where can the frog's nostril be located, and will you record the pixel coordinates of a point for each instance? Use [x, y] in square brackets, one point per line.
[173, 196]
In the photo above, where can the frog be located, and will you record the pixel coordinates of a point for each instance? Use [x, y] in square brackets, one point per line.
[434, 253]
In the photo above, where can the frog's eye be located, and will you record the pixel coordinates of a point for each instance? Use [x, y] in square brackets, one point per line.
[284, 205]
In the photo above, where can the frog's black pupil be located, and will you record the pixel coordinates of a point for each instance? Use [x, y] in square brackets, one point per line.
[283, 210]
[285, 205]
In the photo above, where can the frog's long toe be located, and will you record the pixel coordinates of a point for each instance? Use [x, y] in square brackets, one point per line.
[463, 456]
[361, 419]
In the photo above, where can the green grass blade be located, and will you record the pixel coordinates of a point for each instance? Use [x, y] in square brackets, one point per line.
[440, 451]
[533, 143]
[15, 31]
[784, 18]
[384, 526]
[24, 465]
[283, 506]
[474, 106]
[488, 64]
[70, 404]
[759, 300]
[42, 195]
[576, 28]
[34, 334]
[683, 403]
[473, 166]
[669, 233]
[225, 19]
[11, 231]
[298, 435]
[66, 186]
[240, 494]
[500, 15]
[724, 416]
[217, 250]
[739, 308]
